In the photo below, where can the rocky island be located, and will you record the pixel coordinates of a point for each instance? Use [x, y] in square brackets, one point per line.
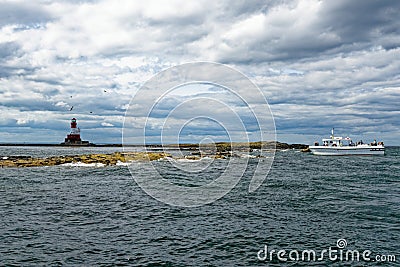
[103, 159]
[220, 150]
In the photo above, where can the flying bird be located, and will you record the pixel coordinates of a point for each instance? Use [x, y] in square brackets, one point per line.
[71, 108]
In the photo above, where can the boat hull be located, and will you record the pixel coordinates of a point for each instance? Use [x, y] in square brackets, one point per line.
[347, 151]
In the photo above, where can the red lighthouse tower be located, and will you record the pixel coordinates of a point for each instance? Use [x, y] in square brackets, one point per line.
[75, 134]
[74, 137]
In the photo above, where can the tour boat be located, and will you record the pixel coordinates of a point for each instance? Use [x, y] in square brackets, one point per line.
[339, 146]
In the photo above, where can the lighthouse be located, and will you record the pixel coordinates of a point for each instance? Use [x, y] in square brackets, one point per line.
[74, 137]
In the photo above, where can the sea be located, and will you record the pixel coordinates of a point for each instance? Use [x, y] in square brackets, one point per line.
[77, 215]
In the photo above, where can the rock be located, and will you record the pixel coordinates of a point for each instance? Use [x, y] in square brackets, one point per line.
[222, 150]
[106, 159]
[192, 157]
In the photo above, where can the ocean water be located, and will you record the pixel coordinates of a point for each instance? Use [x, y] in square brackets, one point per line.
[99, 216]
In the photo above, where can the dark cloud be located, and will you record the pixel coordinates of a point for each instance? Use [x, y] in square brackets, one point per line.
[242, 8]
[361, 21]
[31, 105]
[8, 50]
[48, 81]
[23, 13]
[338, 27]
[8, 71]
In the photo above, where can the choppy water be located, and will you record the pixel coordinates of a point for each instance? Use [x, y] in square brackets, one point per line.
[99, 216]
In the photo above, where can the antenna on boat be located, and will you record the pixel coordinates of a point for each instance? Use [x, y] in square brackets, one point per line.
[333, 136]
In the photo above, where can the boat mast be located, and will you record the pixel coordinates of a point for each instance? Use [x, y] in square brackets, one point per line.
[333, 136]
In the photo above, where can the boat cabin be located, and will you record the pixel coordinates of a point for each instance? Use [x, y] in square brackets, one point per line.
[337, 141]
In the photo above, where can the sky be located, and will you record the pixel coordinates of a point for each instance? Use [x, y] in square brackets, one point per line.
[320, 64]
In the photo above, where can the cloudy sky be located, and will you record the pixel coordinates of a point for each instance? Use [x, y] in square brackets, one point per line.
[320, 64]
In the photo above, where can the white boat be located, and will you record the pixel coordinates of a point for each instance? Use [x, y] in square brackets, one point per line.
[339, 146]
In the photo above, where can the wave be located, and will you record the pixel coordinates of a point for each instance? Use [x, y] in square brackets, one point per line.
[121, 163]
[81, 164]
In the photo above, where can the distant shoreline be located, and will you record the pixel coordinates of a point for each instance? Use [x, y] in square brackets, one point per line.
[59, 145]
[264, 144]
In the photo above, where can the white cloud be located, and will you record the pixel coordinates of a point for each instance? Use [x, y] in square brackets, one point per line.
[22, 121]
[61, 104]
[106, 124]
